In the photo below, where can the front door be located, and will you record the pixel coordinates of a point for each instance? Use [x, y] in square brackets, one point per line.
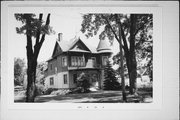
[94, 80]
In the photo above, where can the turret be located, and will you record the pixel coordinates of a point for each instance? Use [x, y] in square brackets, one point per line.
[103, 47]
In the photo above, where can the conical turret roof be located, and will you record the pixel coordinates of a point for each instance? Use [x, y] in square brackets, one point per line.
[103, 46]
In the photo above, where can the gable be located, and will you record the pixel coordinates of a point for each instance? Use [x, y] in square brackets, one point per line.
[79, 46]
[57, 50]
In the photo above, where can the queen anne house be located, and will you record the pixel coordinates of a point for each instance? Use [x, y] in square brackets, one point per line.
[71, 58]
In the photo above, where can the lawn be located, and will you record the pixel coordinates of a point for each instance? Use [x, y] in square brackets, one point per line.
[94, 97]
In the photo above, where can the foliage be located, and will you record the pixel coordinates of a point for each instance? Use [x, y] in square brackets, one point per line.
[19, 71]
[110, 82]
[144, 52]
[131, 28]
[36, 25]
[83, 83]
[49, 90]
[40, 89]
[40, 73]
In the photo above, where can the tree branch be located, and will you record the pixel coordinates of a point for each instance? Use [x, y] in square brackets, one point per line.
[47, 24]
[38, 30]
[29, 39]
[125, 47]
[137, 30]
[111, 28]
[37, 48]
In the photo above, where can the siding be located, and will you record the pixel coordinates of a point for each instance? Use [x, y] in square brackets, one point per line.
[54, 64]
[59, 63]
[58, 81]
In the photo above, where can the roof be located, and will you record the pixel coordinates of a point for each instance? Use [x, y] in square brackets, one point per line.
[66, 46]
[103, 46]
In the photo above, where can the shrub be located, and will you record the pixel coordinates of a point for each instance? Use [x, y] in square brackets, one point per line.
[49, 90]
[39, 89]
[110, 80]
[83, 83]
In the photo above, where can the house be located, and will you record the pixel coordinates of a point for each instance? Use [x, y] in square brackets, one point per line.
[71, 58]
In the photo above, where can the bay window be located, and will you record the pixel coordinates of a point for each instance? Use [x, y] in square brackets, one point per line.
[77, 61]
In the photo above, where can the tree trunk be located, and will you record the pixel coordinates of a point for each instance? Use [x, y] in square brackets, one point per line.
[122, 74]
[31, 76]
[121, 62]
[133, 74]
[132, 56]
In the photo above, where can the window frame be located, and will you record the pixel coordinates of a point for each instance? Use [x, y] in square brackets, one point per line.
[94, 61]
[51, 66]
[77, 61]
[103, 62]
[51, 82]
[64, 63]
[65, 80]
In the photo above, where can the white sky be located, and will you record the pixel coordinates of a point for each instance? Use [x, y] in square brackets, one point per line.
[68, 23]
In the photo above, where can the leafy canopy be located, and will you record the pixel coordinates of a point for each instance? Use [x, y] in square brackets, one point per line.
[34, 26]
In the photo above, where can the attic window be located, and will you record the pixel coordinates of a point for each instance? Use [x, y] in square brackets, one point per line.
[51, 66]
[64, 61]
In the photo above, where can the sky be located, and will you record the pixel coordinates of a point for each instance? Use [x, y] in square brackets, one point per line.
[68, 23]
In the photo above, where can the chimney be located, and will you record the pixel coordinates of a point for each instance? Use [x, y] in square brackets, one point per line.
[59, 37]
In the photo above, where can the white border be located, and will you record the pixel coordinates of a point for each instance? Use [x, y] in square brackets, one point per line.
[101, 7]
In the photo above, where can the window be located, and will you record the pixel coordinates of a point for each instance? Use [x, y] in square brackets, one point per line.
[65, 78]
[72, 61]
[94, 61]
[104, 60]
[51, 66]
[56, 70]
[51, 81]
[64, 61]
[75, 78]
[82, 61]
[77, 61]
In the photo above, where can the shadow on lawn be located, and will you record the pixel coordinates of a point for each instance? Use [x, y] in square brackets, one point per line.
[94, 97]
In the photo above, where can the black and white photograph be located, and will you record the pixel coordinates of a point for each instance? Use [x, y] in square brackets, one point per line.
[67, 59]
[83, 57]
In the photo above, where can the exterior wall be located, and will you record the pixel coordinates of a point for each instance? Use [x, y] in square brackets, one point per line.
[56, 65]
[60, 67]
[51, 71]
[58, 80]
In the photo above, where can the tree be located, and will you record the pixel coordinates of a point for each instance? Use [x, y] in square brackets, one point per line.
[83, 83]
[110, 80]
[32, 28]
[19, 71]
[125, 26]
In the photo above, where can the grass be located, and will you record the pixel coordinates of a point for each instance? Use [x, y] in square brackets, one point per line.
[93, 97]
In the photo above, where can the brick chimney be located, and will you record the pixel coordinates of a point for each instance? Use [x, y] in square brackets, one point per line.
[59, 37]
